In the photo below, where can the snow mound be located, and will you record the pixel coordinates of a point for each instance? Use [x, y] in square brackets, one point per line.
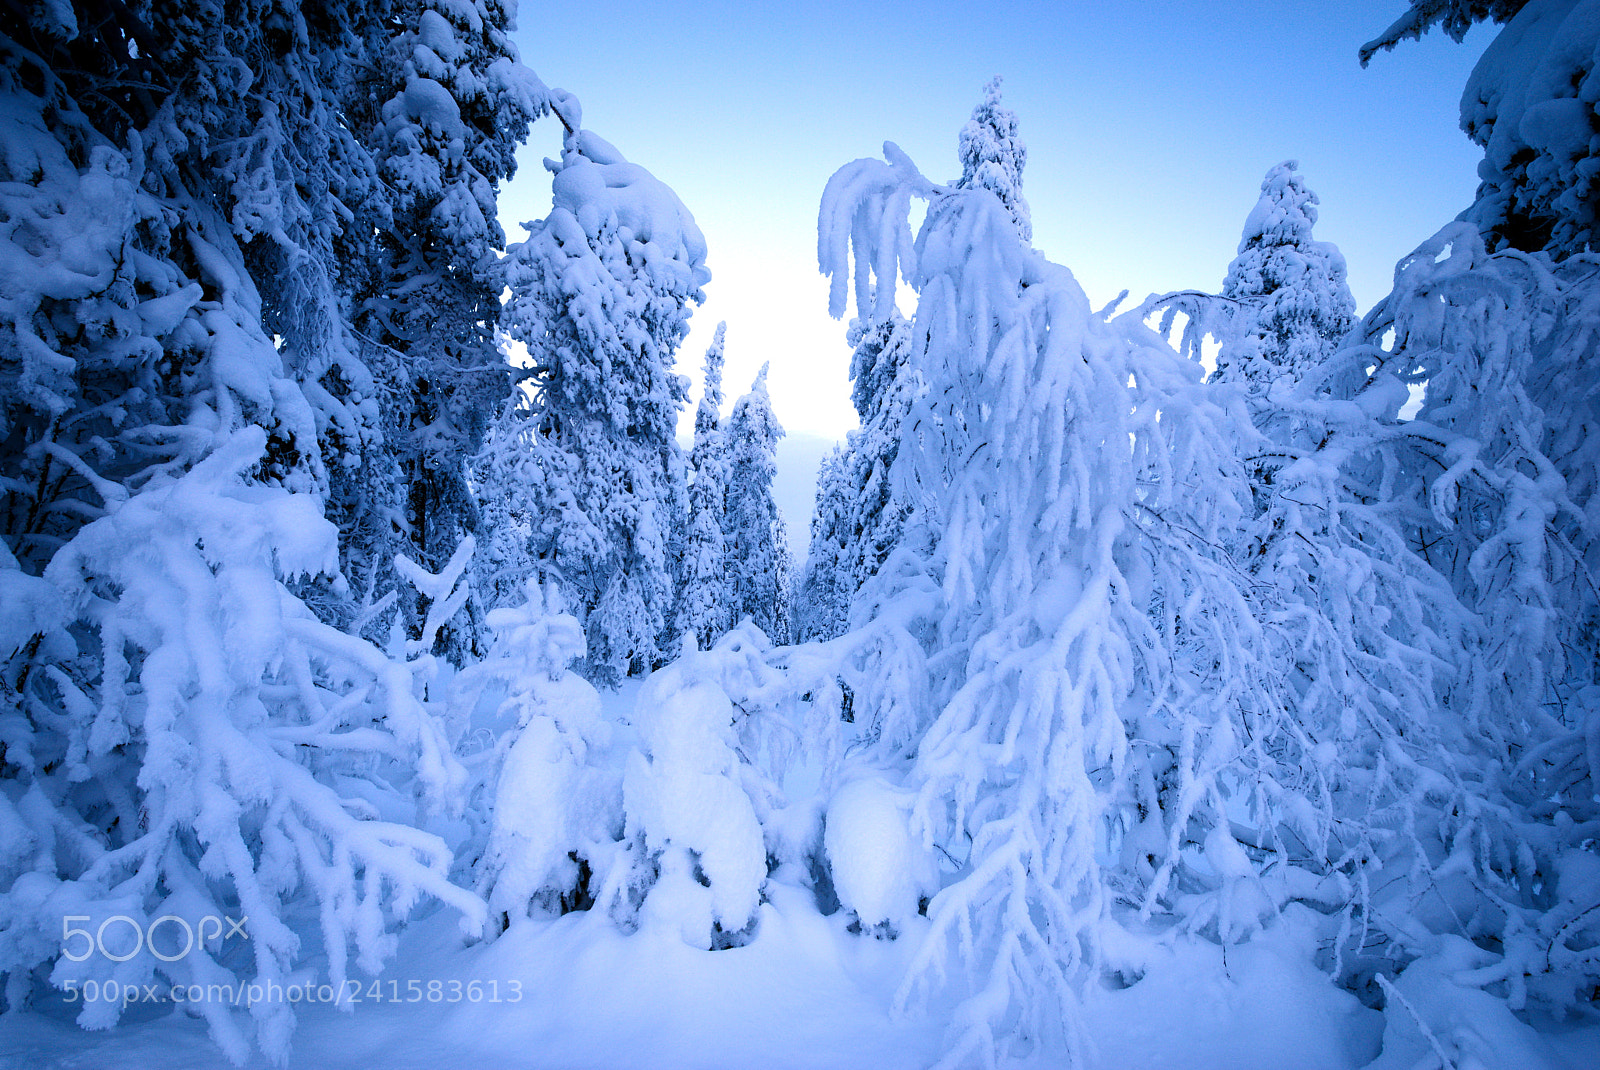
[881, 870]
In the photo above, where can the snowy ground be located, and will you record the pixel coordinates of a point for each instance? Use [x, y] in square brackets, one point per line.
[805, 994]
[574, 993]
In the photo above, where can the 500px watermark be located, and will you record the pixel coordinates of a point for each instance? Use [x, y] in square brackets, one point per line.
[143, 936]
[249, 993]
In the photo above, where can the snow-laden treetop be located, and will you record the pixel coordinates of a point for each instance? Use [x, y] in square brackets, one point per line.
[1285, 213]
[594, 182]
[993, 156]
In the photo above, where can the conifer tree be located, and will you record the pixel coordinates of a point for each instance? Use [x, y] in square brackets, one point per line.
[756, 547]
[993, 156]
[205, 741]
[869, 504]
[599, 294]
[453, 107]
[862, 505]
[827, 583]
[703, 605]
[1285, 291]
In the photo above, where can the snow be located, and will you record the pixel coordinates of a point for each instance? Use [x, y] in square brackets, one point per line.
[1143, 717]
[881, 870]
[596, 182]
[807, 996]
[684, 799]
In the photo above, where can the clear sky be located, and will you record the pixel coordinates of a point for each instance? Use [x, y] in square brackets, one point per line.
[1149, 126]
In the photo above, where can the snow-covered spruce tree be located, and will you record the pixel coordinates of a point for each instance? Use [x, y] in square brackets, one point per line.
[784, 582]
[451, 107]
[1455, 17]
[273, 116]
[886, 386]
[1285, 291]
[183, 736]
[860, 511]
[827, 583]
[993, 156]
[1413, 659]
[703, 599]
[1315, 472]
[125, 281]
[588, 459]
[757, 549]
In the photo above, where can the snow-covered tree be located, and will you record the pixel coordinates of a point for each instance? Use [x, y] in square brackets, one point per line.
[200, 745]
[1160, 648]
[861, 511]
[1285, 292]
[868, 508]
[1531, 105]
[827, 582]
[599, 295]
[554, 808]
[452, 106]
[862, 507]
[288, 123]
[1499, 495]
[689, 810]
[757, 550]
[703, 606]
[189, 214]
[783, 582]
[993, 156]
[1084, 480]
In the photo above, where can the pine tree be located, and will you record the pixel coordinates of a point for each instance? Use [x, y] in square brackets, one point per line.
[703, 605]
[552, 808]
[756, 547]
[588, 460]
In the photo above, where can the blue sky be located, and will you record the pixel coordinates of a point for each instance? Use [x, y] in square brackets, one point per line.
[1149, 127]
